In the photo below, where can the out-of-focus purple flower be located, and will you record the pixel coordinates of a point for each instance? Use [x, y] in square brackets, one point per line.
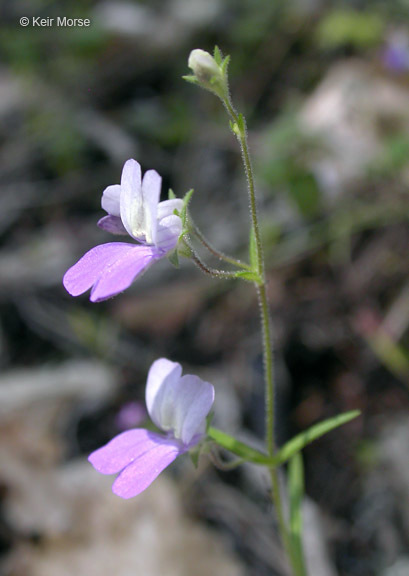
[133, 209]
[395, 55]
[178, 405]
[130, 415]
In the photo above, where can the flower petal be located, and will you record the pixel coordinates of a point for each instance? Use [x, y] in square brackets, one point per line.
[110, 199]
[109, 268]
[122, 271]
[168, 232]
[136, 477]
[122, 450]
[131, 202]
[178, 405]
[162, 372]
[151, 186]
[167, 207]
[193, 399]
[112, 224]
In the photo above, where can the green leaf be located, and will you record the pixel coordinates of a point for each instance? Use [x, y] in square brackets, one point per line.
[249, 275]
[289, 449]
[217, 55]
[301, 440]
[296, 494]
[236, 447]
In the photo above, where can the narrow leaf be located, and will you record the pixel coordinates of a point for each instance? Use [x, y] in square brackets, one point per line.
[296, 494]
[289, 449]
[301, 440]
[236, 447]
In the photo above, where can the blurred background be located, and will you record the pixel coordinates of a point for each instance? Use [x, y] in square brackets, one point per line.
[325, 89]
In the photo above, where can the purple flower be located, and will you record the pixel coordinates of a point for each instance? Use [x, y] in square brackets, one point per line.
[133, 208]
[396, 52]
[178, 405]
[130, 415]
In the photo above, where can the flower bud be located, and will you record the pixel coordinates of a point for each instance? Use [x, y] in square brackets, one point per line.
[207, 72]
[203, 65]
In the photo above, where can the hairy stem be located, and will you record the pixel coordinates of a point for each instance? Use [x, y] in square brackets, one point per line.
[239, 128]
[213, 272]
[220, 255]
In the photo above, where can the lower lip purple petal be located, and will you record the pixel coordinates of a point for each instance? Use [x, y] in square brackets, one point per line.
[112, 224]
[129, 261]
[136, 477]
[122, 450]
[109, 268]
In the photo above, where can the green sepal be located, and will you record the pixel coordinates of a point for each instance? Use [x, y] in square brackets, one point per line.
[171, 194]
[183, 213]
[217, 55]
[173, 258]
[289, 449]
[225, 64]
[191, 78]
[296, 495]
[183, 249]
[250, 276]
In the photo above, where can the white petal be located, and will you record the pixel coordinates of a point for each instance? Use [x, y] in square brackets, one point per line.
[151, 186]
[168, 232]
[131, 201]
[178, 405]
[194, 399]
[167, 207]
[161, 372]
[110, 199]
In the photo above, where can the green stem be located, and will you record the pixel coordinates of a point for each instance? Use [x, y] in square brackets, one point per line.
[213, 272]
[242, 138]
[239, 128]
[220, 255]
[269, 415]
